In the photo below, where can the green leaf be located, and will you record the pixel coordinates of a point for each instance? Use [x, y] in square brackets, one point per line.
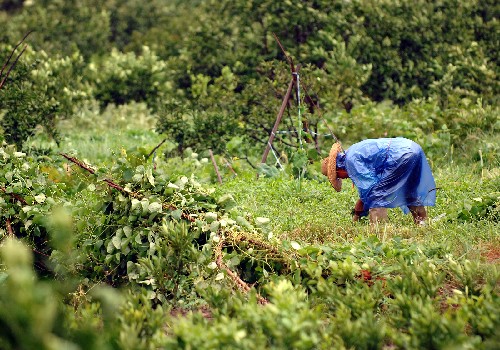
[299, 159]
[127, 230]
[138, 238]
[227, 202]
[267, 171]
[261, 221]
[214, 226]
[155, 207]
[117, 242]
[40, 198]
[176, 214]
[134, 203]
[128, 174]
[149, 174]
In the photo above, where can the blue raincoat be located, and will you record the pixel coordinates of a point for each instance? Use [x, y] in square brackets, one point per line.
[389, 173]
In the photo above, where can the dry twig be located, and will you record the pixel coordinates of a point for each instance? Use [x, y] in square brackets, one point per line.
[6, 63]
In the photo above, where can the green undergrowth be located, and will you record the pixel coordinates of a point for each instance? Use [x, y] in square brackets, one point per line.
[315, 213]
[151, 253]
[147, 256]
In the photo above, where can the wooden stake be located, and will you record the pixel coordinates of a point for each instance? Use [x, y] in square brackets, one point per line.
[278, 120]
[294, 71]
[215, 166]
[154, 149]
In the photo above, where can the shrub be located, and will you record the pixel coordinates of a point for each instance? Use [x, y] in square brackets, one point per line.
[25, 106]
[126, 77]
[40, 91]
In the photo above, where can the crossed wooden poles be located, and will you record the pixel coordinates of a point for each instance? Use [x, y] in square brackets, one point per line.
[284, 103]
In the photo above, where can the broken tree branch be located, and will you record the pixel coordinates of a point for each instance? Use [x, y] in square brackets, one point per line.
[116, 186]
[242, 285]
[92, 171]
[14, 195]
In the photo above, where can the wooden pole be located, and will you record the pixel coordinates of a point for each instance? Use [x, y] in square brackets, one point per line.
[278, 120]
[154, 149]
[215, 166]
[229, 166]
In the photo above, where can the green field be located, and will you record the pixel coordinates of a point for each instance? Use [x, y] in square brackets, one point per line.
[115, 232]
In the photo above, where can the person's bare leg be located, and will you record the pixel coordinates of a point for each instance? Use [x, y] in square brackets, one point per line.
[358, 210]
[378, 215]
[419, 214]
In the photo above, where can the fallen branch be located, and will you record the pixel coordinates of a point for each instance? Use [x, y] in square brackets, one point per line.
[116, 186]
[242, 285]
[110, 183]
[9, 227]
[14, 195]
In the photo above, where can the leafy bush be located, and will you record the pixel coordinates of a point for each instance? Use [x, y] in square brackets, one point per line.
[61, 79]
[61, 27]
[286, 322]
[485, 207]
[126, 77]
[40, 91]
[464, 128]
[26, 198]
[25, 106]
[33, 314]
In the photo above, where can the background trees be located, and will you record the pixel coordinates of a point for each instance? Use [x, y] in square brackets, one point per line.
[179, 53]
[123, 246]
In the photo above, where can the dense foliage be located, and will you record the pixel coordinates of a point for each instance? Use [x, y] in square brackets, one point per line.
[114, 237]
[176, 245]
[217, 60]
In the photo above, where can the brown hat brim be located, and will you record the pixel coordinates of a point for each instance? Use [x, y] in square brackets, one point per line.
[329, 167]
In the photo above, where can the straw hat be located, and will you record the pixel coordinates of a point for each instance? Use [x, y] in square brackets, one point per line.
[329, 167]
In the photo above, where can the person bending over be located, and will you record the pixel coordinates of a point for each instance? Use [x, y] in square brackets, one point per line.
[388, 173]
